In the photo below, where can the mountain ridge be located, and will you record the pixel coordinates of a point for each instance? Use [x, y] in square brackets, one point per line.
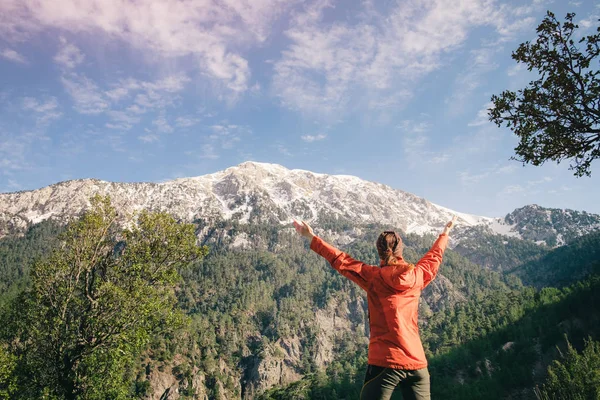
[260, 192]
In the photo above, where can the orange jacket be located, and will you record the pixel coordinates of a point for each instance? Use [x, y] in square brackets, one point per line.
[393, 295]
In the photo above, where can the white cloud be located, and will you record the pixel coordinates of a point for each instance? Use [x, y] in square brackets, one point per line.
[162, 125]
[210, 31]
[512, 189]
[414, 127]
[69, 55]
[12, 55]
[17, 151]
[186, 122]
[313, 138]
[589, 22]
[329, 67]
[208, 151]
[482, 116]
[545, 179]
[416, 144]
[88, 98]
[45, 111]
[122, 126]
[507, 169]
[228, 135]
[515, 69]
[530, 187]
[509, 29]
[467, 178]
[479, 63]
[150, 138]
[122, 116]
[439, 159]
[126, 100]
[283, 150]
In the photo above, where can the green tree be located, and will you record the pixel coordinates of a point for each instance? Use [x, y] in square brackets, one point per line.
[8, 384]
[95, 302]
[576, 376]
[556, 117]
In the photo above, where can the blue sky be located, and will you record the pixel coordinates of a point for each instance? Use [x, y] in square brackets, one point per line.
[389, 91]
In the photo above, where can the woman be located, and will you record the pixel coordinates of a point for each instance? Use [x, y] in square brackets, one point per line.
[396, 355]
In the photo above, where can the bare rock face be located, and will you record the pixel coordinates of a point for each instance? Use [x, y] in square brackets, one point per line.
[441, 293]
[278, 366]
[336, 321]
[164, 385]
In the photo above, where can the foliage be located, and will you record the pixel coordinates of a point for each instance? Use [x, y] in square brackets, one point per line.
[498, 252]
[574, 376]
[18, 253]
[245, 302]
[484, 349]
[563, 266]
[95, 301]
[8, 384]
[557, 116]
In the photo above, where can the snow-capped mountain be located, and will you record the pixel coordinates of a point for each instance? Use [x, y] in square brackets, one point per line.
[250, 192]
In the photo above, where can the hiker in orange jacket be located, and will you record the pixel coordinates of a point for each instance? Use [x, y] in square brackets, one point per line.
[396, 355]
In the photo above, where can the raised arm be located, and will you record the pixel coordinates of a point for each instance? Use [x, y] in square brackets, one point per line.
[357, 271]
[430, 263]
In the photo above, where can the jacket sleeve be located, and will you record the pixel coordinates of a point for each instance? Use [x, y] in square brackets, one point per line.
[358, 272]
[430, 263]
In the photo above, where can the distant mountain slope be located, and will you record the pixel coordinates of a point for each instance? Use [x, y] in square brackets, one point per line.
[553, 226]
[564, 265]
[267, 193]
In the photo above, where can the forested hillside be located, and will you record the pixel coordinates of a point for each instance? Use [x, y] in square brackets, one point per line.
[266, 314]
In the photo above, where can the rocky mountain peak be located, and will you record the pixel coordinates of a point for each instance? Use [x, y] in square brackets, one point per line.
[255, 192]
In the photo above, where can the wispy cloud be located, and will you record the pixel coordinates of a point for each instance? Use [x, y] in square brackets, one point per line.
[16, 151]
[327, 65]
[208, 151]
[589, 22]
[127, 100]
[479, 63]
[527, 188]
[512, 189]
[416, 144]
[12, 55]
[45, 110]
[210, 31]
[482, 116]
[313, 138]
[468, 178]
[88, 97]
[150, 138]
[506, 169]
[186, 122]
[283, 150]
[228, 135]
[162, 125]
[69, 55]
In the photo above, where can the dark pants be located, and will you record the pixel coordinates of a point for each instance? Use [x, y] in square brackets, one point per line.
[380, 383]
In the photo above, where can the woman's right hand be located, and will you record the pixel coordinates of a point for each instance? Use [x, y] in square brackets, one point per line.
[450, 225]
[304, 229]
